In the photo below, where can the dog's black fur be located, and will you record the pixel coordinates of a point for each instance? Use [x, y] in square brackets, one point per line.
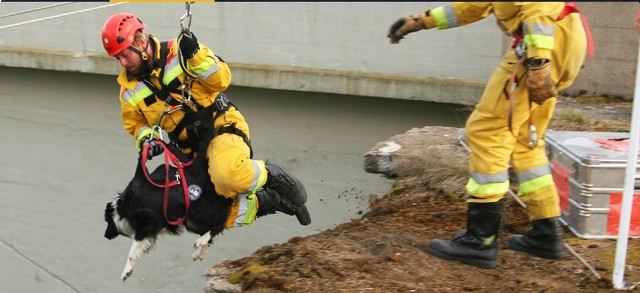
[137, 212]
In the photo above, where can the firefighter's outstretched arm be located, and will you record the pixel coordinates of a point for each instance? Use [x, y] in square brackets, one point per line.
[445, 17]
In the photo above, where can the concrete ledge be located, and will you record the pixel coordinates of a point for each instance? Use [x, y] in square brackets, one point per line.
[58, 60]
[274, 77]
[358, 83]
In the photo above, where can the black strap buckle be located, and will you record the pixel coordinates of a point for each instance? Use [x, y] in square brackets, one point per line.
[221, 103]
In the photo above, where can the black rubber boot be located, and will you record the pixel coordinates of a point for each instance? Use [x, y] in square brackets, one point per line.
[291, 191]
[476, 246]
[270, 202]
[543, 240]
[284, 183]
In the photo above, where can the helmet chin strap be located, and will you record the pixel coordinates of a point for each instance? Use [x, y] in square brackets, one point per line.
[143, 54]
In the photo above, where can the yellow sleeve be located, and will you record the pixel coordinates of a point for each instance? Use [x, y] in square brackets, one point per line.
[212, 72]
[538, 26]
[133, 121]
[456, 14]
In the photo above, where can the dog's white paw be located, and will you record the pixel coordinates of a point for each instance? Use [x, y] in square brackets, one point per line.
[136, 250]
[128, 270]
[201, 245]
[203, 240]
[201, 252]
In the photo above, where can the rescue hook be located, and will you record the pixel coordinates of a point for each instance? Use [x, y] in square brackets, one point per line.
[187, 15]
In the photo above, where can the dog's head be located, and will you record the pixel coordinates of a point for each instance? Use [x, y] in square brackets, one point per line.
[110, 212]
[115, 212]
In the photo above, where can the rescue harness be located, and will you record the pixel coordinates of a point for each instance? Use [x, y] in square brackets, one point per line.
[198, 122]
[171, 155]
[569, 7]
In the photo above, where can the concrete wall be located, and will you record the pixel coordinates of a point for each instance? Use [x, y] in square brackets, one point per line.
[318, 46]
[613, 68]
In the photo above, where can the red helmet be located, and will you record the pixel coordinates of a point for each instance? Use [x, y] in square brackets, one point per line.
[119, 31]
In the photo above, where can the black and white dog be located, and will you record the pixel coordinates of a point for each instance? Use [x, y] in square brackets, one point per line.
[138, 212]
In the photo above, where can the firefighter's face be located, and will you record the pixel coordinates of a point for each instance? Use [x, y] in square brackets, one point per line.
[130, 60]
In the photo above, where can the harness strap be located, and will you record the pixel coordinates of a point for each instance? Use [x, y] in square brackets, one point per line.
[163, 93]
[220, 105]
[570, 7]
[199, 123]
[516, 39]
[533, 139]
[200, 131]
[196, 124]
[169, 157]
[234, 130]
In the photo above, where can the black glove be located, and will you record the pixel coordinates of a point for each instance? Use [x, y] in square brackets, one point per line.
[154, 149]
[394, 28]
[405, 25]
[189, 45]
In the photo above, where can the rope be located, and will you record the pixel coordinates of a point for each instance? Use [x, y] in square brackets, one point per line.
[189, 76]
[34, 9]
[60, 15]
[583, 261]
[533, 137]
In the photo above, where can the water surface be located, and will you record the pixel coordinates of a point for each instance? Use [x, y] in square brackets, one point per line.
[65, 154]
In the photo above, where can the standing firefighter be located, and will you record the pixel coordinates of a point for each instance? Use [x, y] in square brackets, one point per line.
[153, 81]
[549, 46]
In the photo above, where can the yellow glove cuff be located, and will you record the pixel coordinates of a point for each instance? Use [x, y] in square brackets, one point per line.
[428, 21]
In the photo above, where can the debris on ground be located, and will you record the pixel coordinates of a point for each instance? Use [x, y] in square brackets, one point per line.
[382, 251]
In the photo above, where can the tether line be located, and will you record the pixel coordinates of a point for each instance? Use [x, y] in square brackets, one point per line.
[34, 9]
[61, 15]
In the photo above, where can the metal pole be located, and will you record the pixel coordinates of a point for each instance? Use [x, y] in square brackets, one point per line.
[629, 182]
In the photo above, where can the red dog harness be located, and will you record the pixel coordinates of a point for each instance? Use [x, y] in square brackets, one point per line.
[169, 157]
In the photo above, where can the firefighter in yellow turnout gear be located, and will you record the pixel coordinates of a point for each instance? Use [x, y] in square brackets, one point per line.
[507, 125]
[152, 92]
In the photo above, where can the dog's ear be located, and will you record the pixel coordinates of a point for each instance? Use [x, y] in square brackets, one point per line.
[108, 212]
[112, 230]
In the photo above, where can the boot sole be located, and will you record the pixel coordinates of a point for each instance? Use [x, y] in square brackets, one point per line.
[483, 264]
[534, 252]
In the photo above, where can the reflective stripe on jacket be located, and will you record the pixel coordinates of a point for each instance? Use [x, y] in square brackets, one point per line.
[536, 20]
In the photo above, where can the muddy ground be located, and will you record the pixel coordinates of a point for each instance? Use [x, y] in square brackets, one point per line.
[383, 250]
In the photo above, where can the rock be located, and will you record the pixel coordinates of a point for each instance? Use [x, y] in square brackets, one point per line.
[382, 158]
[217, 280]
[379, 160]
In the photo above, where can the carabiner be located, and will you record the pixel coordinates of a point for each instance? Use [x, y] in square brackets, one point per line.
[155, 129]
[184, 86]
[187, 14]
[533, 136]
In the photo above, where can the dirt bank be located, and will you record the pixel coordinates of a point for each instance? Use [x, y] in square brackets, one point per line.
[383, 250]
